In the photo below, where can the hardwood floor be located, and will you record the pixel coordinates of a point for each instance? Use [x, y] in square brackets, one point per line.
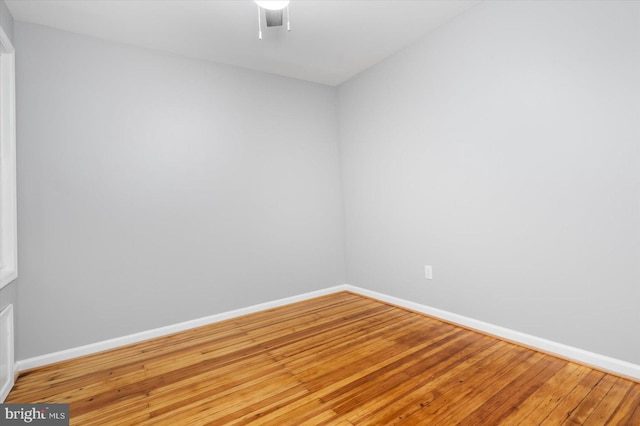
[341, 360]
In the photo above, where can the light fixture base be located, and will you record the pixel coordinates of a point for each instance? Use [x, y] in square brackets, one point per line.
[272, 4]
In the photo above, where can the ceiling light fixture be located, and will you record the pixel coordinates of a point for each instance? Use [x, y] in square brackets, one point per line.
[273, 11]
[273, 5]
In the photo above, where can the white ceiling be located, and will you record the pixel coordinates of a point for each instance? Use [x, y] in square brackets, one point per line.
[330, 40]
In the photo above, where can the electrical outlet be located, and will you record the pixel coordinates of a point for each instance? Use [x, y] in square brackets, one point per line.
[428, 272]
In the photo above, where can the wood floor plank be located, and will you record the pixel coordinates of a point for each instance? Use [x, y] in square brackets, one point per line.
[574, 398]
[609, 405]
[167, 398]
[400, 403]
[400, 380]
[474, 394]
[583, 411]
[337, 340]
[553, 397]
[628, 411]
[236, 403]
[296, 413]
[503, 402]
[340, 359]
[332, 348]
[384, 357]
[540, 396]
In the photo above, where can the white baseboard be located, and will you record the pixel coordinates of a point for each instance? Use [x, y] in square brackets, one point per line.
[601, 362]
[104, 345]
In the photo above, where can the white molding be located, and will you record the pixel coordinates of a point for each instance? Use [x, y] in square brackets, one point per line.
[6, 332]
[598, 361]
[92, 348]
[8, 201]
[601, 362]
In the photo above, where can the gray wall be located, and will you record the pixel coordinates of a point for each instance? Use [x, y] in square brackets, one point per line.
[504, 150]
[9, 293]
[155, 189]
[6, 20]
